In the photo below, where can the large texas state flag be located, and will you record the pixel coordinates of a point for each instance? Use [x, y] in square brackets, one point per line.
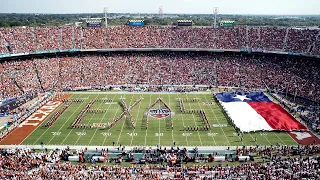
[254, 111]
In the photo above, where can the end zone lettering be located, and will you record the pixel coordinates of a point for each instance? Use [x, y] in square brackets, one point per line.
[41, 114]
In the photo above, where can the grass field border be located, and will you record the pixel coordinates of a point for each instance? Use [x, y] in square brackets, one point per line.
[225, 136]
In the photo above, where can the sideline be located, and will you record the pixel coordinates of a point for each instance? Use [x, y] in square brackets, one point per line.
[129, 148]
[126, 92]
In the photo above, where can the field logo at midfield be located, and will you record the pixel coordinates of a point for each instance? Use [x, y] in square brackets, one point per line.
[159, 113]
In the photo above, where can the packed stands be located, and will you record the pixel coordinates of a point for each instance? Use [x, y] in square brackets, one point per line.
[285, 74]
[292, 75]
[281, 162]
[29, 39]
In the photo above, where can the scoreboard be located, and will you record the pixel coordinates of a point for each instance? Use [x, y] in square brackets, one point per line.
[184, 22]
[94, 22]
[226, 24]
[136, 22]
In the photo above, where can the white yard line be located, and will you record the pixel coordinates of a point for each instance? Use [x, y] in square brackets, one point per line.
[115, 116]
[136, 122]
[47, 129]
[102, 119]
[145, 137]
[39, 126]
[280, 138]
[292, 138]
[66, 122]
[184, 129]
[209, 124]
[124, 122]
[218, 121]
[171, 118]
[253, 138]
[101, 103]
[266, 138]
[195, 124]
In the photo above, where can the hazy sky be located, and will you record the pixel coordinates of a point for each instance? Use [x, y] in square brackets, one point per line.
[284, 7]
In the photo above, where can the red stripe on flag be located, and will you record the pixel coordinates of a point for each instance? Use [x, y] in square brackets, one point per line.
[277, 117]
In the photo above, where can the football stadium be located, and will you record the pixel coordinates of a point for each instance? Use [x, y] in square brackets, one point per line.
[139, 101]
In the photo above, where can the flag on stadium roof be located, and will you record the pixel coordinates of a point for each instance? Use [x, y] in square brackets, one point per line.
[254, 111]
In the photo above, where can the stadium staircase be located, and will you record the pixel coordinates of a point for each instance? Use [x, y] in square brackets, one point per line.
[238, 38]
[285, 40]
[19, 87]
[215, 39]
[38, 77]
[59, 75]
[247, 37]
[314, 44]
[15, 82]
[259, 36]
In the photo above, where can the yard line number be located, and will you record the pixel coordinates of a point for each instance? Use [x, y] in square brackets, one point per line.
[186, 134]
[81, 133]
[159, 134]
[106, 134]
[263, 134]
[212, 134]
[56, 133]
[132, 134]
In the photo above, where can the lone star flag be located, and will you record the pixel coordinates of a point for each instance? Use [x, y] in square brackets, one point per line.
[254, 111]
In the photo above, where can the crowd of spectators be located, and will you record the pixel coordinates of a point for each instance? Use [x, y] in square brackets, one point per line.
[300, 77]
[281, 162]
[29, 39]
[301, 41]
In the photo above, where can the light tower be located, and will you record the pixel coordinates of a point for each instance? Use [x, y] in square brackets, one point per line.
[160, 12]
[215, 12]
[105, 10]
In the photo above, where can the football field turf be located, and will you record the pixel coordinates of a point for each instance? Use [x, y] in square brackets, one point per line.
[159, 131]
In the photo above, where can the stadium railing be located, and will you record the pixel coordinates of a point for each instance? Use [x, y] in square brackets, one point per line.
[246, 51]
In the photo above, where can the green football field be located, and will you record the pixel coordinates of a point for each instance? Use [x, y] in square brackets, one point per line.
[159, 131]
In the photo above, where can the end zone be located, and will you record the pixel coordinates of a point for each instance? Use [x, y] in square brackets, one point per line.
[24, 129]
[304, 138]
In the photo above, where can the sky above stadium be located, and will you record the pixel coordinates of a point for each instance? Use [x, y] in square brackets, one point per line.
[277, 7]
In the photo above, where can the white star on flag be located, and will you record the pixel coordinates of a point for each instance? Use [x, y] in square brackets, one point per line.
[241, 97]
